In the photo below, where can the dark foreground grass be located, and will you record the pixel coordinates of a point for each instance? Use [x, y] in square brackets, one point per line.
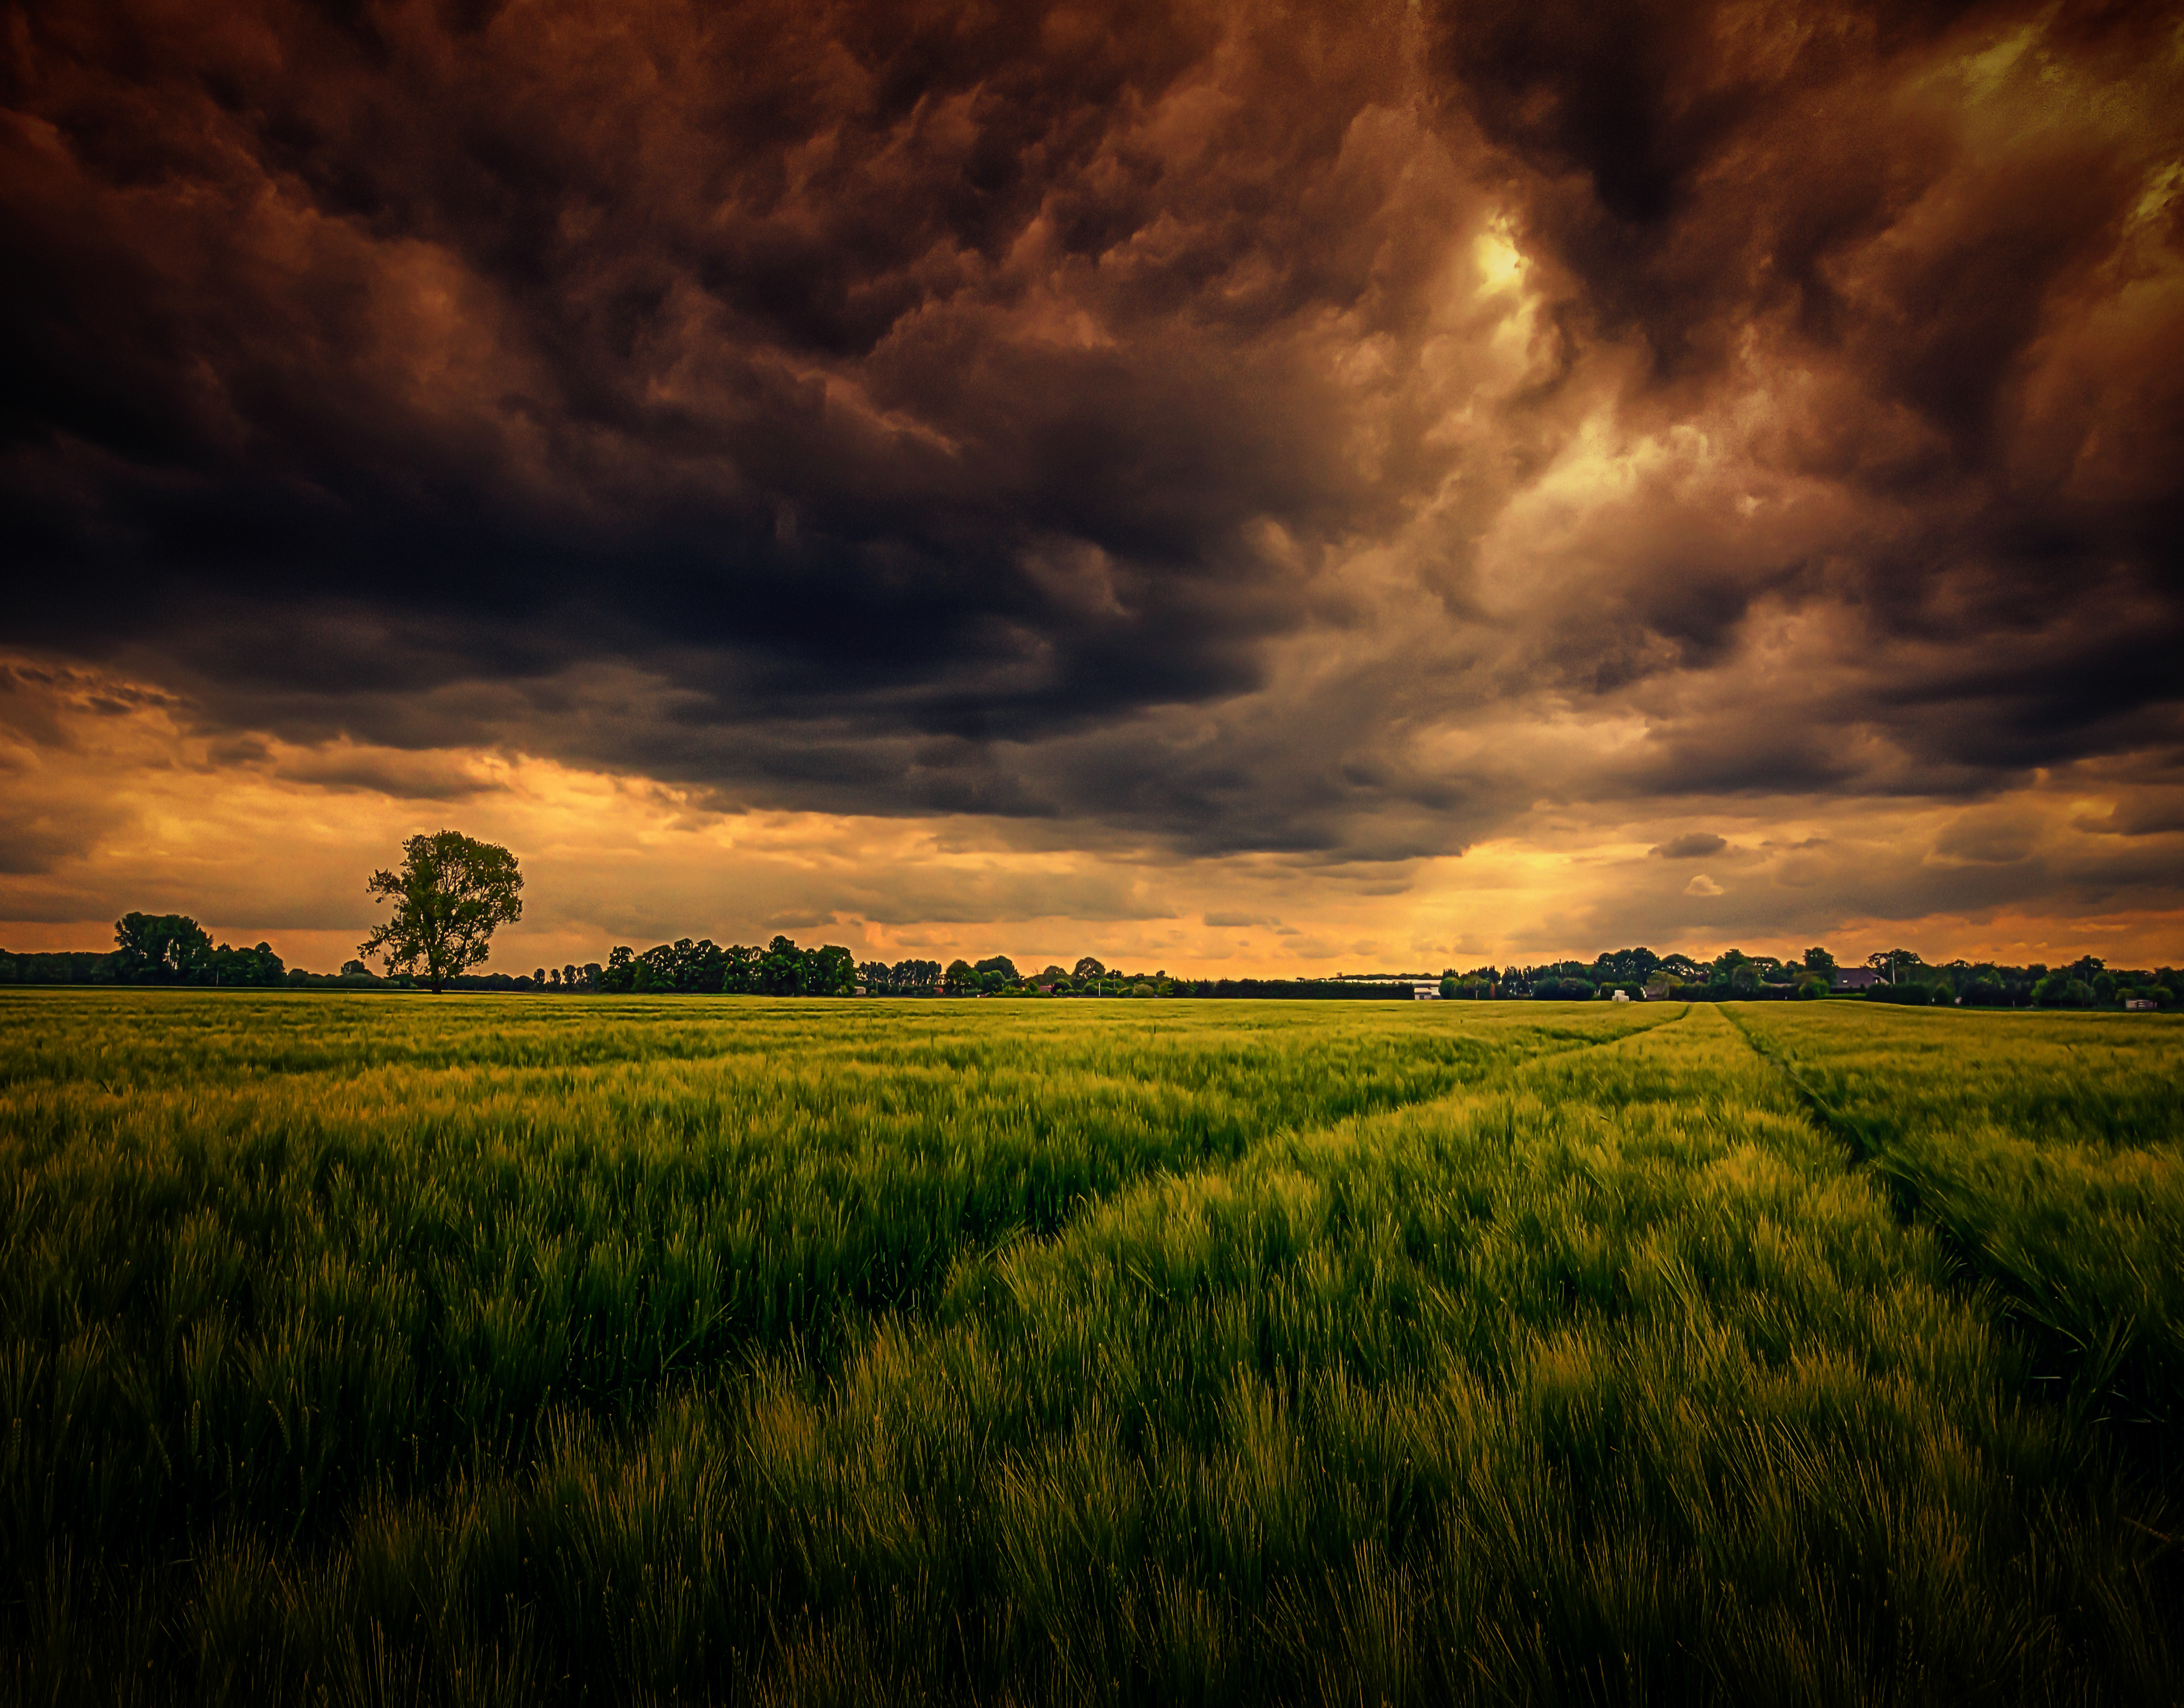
[500, 1350]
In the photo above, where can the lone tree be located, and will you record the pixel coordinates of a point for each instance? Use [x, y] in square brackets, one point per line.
[448, 896]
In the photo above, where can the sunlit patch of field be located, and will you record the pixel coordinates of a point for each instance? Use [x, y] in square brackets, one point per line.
[377, 1350]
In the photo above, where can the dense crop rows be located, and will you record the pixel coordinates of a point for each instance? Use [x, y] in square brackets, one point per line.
[366, 1351]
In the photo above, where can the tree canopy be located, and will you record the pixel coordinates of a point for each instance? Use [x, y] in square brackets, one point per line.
[159, 949]
[173, 948]
[449, 896]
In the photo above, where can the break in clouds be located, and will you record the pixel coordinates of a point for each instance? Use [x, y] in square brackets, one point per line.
[1332, 432]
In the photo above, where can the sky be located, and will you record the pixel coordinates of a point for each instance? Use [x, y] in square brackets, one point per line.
[1234, 488]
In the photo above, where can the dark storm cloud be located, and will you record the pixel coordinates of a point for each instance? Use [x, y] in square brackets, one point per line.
[678, 340]
[1824, 184]
[1694, 845]
[918, 408]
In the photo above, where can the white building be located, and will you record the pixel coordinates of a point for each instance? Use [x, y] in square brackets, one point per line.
[1426, 992]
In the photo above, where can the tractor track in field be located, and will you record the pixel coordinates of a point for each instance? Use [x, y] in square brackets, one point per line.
[1838, 1124]
[1577, 1048]
[2066, 1372]
[1213, 1166]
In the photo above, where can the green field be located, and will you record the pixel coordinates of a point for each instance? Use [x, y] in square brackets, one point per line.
[376, 1349]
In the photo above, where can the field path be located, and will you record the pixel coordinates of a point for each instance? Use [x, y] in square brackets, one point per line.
[2047, 1153]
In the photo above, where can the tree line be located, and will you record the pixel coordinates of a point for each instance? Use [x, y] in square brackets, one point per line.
[782, 968]
[152, 949]
[174, 950]
[1899, 976]
[451, 893]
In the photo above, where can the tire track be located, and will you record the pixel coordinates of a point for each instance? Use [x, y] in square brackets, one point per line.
[2068, 1371]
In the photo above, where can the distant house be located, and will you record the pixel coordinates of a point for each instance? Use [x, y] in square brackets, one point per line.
[2143, 1003]
[1426, 991]
[1856, 978]
[1621, 996]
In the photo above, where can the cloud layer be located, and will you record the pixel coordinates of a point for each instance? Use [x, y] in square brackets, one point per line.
[1338, 436]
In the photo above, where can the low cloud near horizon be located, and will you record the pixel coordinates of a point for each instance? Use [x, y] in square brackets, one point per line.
[1209, 486]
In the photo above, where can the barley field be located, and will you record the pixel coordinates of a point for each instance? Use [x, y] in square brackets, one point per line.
[484, 1350]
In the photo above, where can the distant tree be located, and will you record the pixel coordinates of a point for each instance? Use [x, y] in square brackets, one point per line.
[1087, 968]
[1894, 965]
[997, 964]
[159, 949]
[1818, 960]
[915, 977]
[684, 966]
[257, 965]
[1744, 978]
[829, 971]
[355, 969]
[450, 895]
[538, 976]
[961, 978]
[781, 969]
[740, 970]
